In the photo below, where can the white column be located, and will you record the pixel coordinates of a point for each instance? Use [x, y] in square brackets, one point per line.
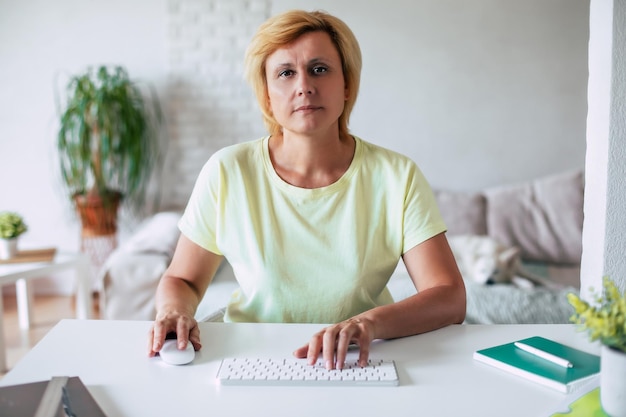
[604, 231]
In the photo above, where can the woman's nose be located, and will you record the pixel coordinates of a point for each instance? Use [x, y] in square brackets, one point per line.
[305, 85]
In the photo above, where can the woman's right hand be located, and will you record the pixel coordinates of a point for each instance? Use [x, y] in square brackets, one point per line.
[179, 292]
[170, 325]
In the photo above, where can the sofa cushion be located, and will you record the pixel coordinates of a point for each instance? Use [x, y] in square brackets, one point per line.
[464, 213]
[157, 234]
[544, 218]
[129, 283]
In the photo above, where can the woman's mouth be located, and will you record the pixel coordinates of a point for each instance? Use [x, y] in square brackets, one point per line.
[307, 108]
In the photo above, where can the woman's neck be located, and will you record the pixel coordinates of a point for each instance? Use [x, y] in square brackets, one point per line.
[311, 161]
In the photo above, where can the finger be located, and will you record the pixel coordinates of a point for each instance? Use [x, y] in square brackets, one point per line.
[182, 333]
[151, 351]
[343, 342]
[194, 338]
[301, 352]
[328, 348]
[158, 336]
[364, 353]
[315, 347]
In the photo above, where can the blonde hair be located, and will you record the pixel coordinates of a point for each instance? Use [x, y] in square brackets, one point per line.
[284, 29]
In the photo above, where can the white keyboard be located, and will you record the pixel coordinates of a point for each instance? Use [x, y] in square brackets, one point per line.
[292, 371]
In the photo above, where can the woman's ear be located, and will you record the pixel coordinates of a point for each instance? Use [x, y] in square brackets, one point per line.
[268, 103]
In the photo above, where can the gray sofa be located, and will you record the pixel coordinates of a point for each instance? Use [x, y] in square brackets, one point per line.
[543, 218]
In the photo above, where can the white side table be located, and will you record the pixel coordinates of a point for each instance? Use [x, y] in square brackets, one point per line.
[20, 274]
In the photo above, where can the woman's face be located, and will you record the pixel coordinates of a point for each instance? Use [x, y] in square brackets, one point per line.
[305, 84]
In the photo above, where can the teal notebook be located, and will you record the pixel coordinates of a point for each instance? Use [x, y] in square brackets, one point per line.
[521, 363]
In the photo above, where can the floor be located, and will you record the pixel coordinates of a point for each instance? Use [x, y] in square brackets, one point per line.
[47, 311]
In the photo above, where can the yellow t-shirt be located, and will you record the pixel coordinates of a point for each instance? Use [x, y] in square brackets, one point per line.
[309, 255]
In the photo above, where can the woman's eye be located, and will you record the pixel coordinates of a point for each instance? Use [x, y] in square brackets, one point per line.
[319, 70]
[285, 73]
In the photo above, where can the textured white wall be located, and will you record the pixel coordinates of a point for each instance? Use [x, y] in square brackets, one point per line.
[478, 93]
[210, 106]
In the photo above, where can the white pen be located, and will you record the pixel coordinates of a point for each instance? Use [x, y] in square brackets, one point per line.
[544, 355]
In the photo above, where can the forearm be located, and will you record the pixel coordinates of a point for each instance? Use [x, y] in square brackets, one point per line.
[183, 284]
[428, 310]
[440, 299]
[176, 295]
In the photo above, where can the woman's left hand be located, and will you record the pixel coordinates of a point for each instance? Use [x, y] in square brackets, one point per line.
[333, 341]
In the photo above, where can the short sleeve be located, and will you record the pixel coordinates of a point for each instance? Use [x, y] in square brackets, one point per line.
[422, 219]
[199, 221]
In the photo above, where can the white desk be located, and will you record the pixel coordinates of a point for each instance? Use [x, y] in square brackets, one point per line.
[20, 275]
[438, 376]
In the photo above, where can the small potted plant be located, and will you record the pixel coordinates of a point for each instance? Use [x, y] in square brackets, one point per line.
[11, 227]
[605, 321]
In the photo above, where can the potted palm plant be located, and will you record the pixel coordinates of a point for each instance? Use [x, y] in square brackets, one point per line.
[108, 143]
[11, 227]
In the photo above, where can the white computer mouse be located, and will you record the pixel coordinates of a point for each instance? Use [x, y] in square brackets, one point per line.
[170, 353]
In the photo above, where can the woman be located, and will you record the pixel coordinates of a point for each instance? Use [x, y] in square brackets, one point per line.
[312, 219]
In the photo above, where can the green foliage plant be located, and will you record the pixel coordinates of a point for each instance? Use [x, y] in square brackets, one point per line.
[108, 140]
[606, 319]
[11, 225]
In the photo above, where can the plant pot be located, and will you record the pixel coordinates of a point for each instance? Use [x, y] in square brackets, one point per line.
[98, 215]
[613, 381]
[8, 248]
